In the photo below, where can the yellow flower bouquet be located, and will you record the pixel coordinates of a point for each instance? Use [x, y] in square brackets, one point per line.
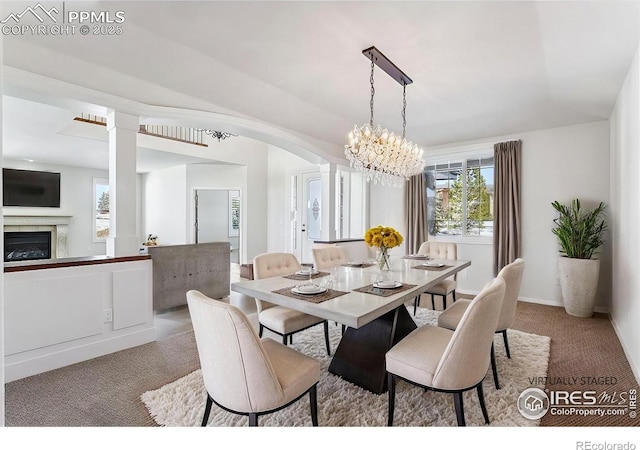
[383, 238]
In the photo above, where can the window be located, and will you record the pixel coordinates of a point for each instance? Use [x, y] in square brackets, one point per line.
[460, 197]
[100, 209]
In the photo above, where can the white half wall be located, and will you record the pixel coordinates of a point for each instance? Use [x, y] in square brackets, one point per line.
[58, 316]
[625, 215]
[557, 164]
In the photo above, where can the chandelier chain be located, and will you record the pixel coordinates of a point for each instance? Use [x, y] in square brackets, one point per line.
[373, 91]
[404, 110]
[378, 153]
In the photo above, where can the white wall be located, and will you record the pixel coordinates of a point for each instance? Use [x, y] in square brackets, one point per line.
[561, 164]
[215, 176]
[2, 409]
[76, 200]
[386, 208]
[281, 166]
[165, 206]
[169, 197]
[557, 164]
[625, 215]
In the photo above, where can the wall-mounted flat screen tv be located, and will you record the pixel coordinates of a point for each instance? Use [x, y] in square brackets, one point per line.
[30, 188]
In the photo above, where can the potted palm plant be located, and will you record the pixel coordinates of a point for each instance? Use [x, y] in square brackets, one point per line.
[580, 234]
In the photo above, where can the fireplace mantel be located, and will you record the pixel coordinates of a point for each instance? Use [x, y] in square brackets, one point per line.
[58, 225]
[36, 220]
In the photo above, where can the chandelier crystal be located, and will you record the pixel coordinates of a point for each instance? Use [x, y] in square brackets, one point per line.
[381, 155]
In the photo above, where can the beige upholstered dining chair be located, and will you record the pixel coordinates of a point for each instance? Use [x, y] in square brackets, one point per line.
[449, 361]
[439, 250]
[512, 275]
[279, 319]
[329, 257]
[242, 373]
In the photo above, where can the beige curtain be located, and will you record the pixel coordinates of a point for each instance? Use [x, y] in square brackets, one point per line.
[506, 211]
[415, 205]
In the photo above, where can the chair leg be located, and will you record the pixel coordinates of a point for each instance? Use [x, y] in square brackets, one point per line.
[391, 384]
[343, 328]
[285, 339]
[444, 302]
[261, 330]
[291, 338]
[313, 401]
[482, 405]
[207, 410]
[506, 343]
[326, 337]
[433, 303]
[253, 419]
[457, 400]
[415, 304]
[493, 367]
[454, 296]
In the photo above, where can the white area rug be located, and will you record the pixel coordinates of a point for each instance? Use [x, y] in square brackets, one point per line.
[340, 403]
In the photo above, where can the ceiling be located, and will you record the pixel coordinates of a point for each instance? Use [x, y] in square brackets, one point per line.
[479, 69]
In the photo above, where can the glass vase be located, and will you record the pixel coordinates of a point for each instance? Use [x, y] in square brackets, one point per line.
[384, 266]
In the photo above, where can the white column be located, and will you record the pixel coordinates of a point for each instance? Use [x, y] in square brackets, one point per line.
[328, 202]
[2, 409]
[123, 129]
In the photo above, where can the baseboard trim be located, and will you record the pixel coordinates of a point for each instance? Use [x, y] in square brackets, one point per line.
[539, 301]
[27, 366]
[635, 366]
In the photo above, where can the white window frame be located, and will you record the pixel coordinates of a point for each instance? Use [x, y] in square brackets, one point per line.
[455, 155]
[96, 182]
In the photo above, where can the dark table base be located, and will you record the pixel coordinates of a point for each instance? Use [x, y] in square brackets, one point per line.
[359, 357]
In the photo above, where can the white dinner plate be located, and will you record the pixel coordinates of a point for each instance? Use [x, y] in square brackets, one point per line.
[305, 273]
[387, 285]
[433, 264]
[418, 256]
[308, 290]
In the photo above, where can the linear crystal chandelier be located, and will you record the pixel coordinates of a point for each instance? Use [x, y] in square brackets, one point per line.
[381, 155]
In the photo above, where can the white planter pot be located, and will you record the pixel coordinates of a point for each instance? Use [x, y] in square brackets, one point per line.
[579, 283]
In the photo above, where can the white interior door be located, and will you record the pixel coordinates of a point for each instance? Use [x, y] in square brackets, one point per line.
[310, 214]
[218, 218]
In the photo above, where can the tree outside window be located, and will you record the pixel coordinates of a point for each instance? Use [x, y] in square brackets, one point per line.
[460, 198]
[101, 209]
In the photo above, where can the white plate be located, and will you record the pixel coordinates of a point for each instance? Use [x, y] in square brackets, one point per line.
[355, 264]
[418, 256]
[433, 264]
[305, 273]
[308, 289]
[387, 285]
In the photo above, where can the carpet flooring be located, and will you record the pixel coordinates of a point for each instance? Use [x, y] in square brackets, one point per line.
[341, 403]
[106, 391]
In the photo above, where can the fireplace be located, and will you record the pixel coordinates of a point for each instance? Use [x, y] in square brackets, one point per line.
[27, 245]
[57, 227]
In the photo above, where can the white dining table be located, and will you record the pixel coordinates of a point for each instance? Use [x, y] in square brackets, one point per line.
[374, 322]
